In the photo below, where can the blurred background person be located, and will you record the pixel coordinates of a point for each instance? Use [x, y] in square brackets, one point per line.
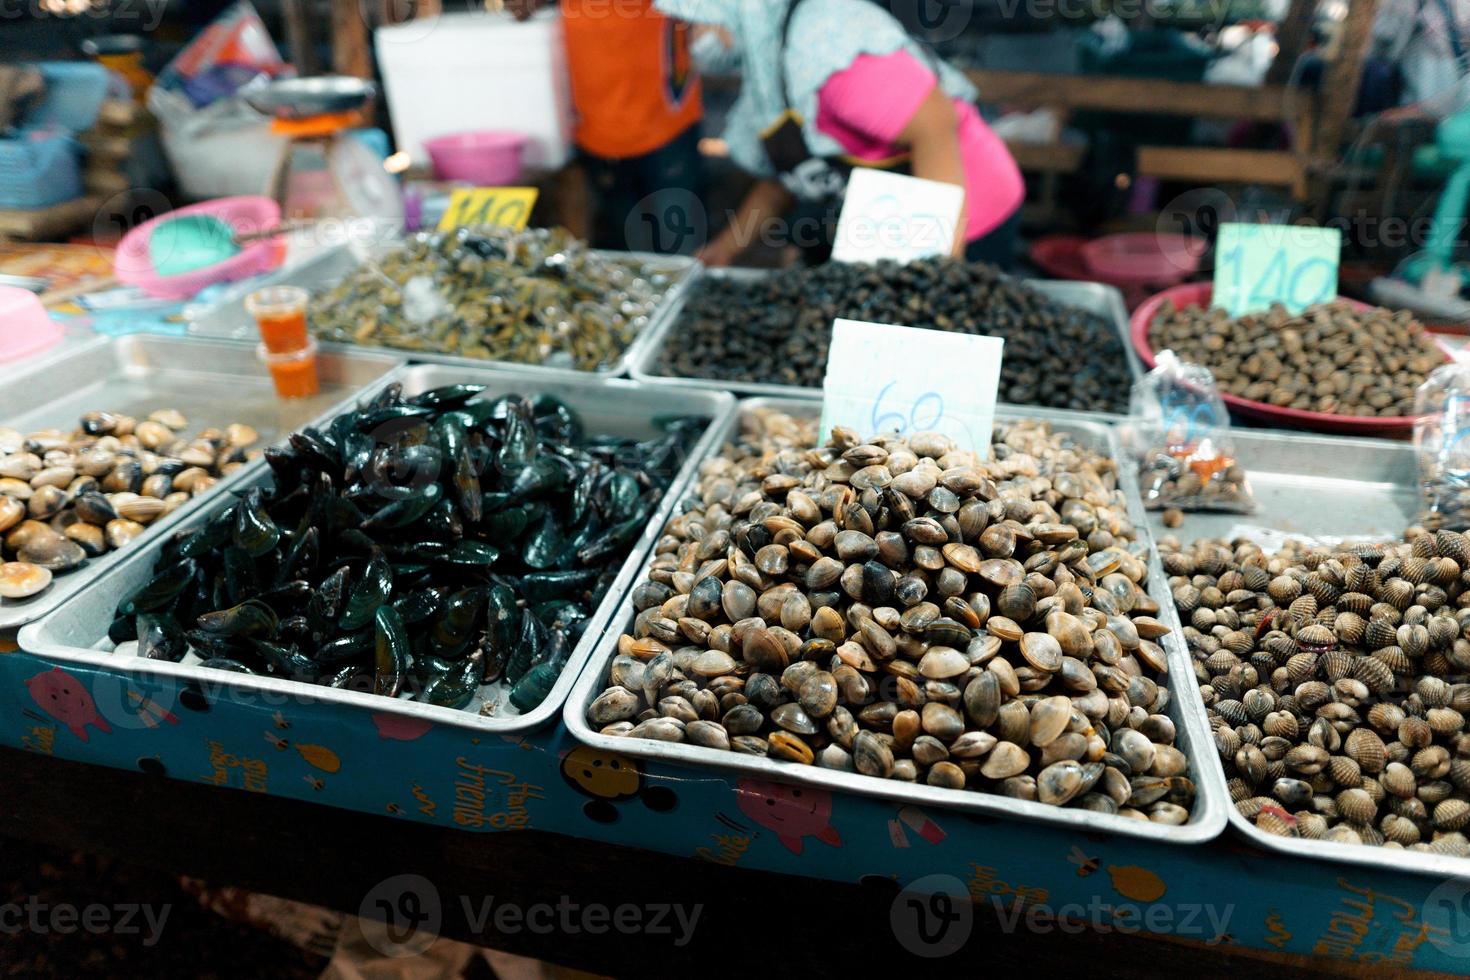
[637, 104]
[827, 85]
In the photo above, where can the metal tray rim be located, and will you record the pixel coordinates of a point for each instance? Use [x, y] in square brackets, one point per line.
[1208, 819]
[33, 641]
[12, 617]
[644, 366]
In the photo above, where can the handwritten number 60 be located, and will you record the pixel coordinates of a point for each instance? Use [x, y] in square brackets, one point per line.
[925, 413]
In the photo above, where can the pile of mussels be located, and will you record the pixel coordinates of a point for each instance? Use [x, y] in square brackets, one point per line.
[1336, 683]
[534, 297]
[420, 546]
[776, 330]
[911, 611]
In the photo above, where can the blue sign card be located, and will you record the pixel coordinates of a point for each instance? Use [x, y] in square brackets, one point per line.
[1257, 265]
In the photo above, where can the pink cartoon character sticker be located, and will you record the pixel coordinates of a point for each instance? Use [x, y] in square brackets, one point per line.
[62, 696]
[793, 812]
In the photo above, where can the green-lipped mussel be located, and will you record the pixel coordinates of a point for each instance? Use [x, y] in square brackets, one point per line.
[534, 297]
[416, 547]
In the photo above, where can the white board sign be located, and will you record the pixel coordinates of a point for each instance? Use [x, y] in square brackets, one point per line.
[883, 378]
[891, 216]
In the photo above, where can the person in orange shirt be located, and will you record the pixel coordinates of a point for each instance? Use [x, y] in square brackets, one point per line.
[637, 104]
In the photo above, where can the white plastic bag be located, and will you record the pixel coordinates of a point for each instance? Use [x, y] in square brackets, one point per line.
[1442, 444]
[1181, 436]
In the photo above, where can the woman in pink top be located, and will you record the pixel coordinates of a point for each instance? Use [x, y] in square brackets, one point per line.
[828, 85]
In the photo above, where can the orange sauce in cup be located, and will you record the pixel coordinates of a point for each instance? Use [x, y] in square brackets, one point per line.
[295, 379]
[284, 333]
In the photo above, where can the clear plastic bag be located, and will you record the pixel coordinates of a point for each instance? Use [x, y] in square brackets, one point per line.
[1442, 445]
[1181, 435]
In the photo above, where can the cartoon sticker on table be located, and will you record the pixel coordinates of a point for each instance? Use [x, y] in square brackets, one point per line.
[149, 711]
[793, 812]
[1085, 865]
[320, 757]
[610, 778]
[399, 728]
[919, 822]
[1139, 884]
[65, 698]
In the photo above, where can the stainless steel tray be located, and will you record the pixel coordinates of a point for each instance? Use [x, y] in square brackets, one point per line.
[228, 320]
[212, 383]
[74, 632]
[1093, 297]
[1299, 487]
[1185, 708]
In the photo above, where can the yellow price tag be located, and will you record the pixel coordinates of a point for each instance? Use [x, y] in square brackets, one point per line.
[505, 207]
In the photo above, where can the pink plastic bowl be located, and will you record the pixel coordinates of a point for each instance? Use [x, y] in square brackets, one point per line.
[132, 264]
[1198, 294]
[488, 158]
[25, 328]
[1143, 257]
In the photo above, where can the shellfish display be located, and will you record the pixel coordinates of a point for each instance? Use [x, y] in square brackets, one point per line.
[776, 330]
[418, 547]
[904, 609]
[534, 297]
[1335, 684]
[66, 496]
[1332, 358]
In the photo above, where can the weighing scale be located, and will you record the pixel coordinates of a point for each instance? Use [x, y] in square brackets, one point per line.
[323, 172]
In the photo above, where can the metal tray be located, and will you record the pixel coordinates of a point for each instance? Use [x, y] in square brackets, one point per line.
[1093, 297]
[1294, 480]
[212, 383]
[74, 632]
[1185, 708]
[228, 320]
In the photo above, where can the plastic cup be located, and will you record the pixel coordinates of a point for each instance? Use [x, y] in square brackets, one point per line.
[294, 372]
[280, 312]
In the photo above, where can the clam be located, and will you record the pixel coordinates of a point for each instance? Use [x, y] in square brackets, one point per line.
[832, 606]
[22, 579]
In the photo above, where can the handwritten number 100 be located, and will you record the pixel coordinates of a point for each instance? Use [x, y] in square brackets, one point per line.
[917, 421]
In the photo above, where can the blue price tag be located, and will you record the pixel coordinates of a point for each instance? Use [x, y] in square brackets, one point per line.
[1258, 265]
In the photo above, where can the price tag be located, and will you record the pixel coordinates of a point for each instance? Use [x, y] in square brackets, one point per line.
[505, 207]
[890, 216]
[883, 378]
[1257, 265]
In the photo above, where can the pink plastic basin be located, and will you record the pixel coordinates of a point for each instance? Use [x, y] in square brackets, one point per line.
[1143, 257]
[1198, 294]
[487, 158]
[133, 266]
[25, 327]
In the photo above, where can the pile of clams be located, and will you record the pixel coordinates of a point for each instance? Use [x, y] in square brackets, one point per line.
[66, 496]
[905, 609]
[1336, 684]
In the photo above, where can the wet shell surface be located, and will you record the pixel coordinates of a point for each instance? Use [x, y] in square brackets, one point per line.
[906, 609]
[1337, 719]
[60, 491]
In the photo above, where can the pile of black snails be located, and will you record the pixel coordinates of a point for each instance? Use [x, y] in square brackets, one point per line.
[776, 329]
[417, 546]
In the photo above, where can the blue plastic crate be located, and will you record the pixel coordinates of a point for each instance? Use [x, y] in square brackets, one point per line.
[75, 91]
[41, 166]
[39, 172]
